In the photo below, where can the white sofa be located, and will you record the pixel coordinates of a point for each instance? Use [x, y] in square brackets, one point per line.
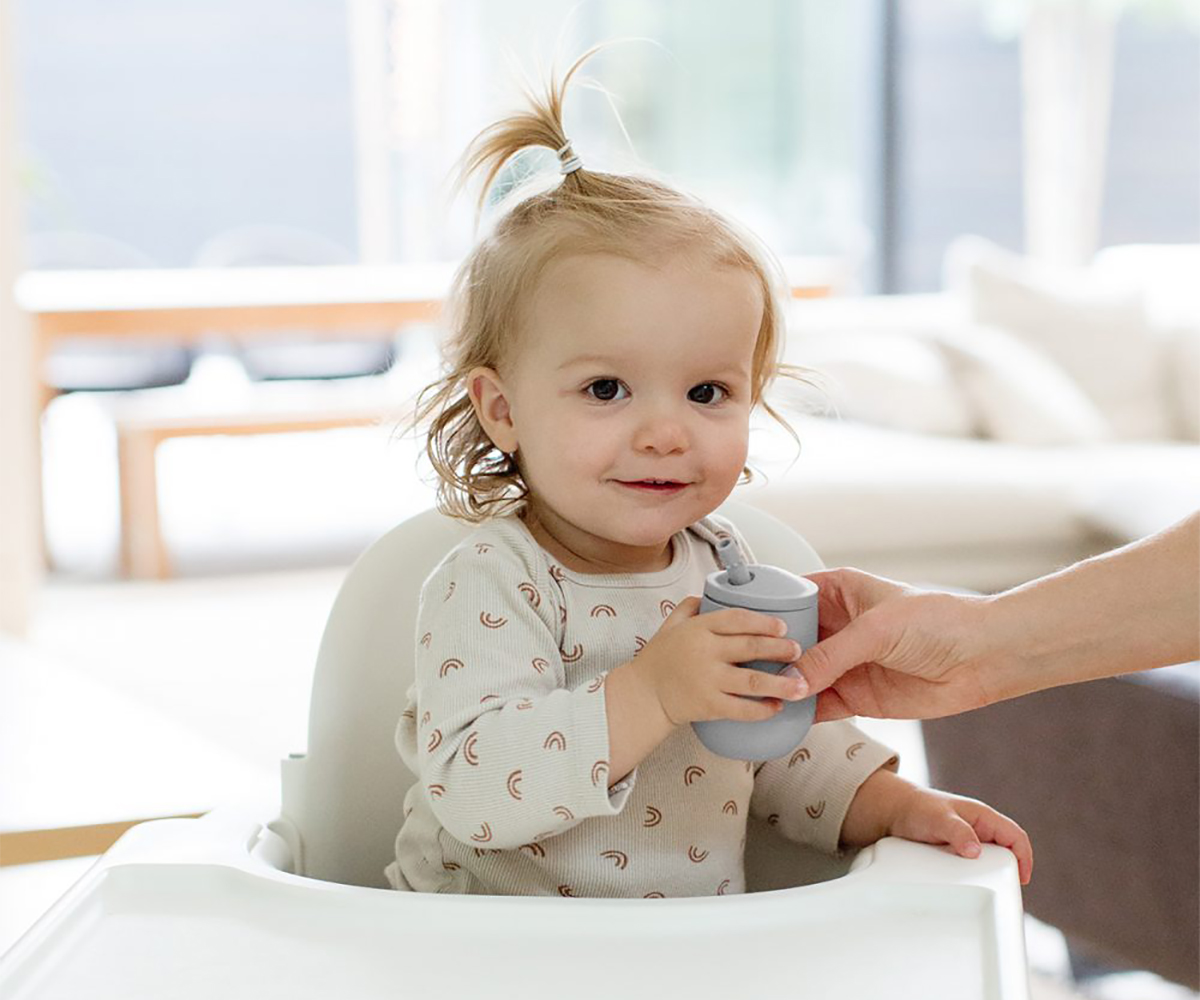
[1021, 420]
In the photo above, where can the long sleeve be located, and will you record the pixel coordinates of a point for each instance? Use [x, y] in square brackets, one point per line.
[806, 794]
[505, 752]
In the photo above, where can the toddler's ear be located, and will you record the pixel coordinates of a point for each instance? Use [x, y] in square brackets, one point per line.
[489, 399]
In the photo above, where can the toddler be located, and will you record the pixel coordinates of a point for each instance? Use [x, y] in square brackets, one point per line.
[610, 340]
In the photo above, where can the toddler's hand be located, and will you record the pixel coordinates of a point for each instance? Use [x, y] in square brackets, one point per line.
[689, 665]
[934, 817]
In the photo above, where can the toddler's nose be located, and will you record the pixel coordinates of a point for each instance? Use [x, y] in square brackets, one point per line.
[661, 434]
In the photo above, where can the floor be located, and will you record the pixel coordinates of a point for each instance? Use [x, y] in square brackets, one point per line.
[220, 658]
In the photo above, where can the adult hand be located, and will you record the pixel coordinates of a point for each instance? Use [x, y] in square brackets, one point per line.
[892, 651]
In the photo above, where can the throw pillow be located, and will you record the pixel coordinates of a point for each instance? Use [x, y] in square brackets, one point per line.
[1185, 370]
[1020, 396]
[1097, 334]
[893, 380]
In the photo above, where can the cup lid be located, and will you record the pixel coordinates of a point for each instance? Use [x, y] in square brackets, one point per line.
[769, 589]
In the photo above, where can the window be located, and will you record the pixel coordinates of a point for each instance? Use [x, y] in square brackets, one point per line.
[869, 130]
[162, 124]
[958, 153]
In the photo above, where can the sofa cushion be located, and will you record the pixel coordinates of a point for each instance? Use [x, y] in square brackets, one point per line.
[859, 493]
[1140, 488]
[1181, 381]
[1020, 395]
[1185, 389]
[1166, 275]
[1097, 333]
[865, 488]
[896, 381]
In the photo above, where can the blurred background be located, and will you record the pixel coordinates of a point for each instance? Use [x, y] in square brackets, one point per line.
[226, 228]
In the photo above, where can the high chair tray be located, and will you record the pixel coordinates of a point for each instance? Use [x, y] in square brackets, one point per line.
[161, 921]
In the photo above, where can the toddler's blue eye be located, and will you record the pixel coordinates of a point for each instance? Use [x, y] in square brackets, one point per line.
[605, 389]
[707, 393]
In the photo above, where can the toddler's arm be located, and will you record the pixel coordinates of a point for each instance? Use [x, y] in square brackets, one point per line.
[807, 795]
[886, 805]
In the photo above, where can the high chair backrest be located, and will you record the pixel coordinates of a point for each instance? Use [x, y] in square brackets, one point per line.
[342, 801]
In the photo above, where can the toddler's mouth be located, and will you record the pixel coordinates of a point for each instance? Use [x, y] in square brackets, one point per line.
[654, 485]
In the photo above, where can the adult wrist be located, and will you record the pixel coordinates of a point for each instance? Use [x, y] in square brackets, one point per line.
[1025, 651]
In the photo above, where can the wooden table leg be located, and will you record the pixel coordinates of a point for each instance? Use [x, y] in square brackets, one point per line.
[43, 395]
[143, 554]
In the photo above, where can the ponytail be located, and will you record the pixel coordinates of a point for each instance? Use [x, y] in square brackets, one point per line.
[540, 125]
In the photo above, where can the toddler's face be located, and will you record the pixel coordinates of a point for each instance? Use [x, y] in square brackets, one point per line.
[628, 402]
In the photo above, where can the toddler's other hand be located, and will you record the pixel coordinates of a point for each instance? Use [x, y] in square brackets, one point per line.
[934, 817]
[690, 664]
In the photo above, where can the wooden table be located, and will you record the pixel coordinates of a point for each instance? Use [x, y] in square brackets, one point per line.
[186, 304]
[189, 304]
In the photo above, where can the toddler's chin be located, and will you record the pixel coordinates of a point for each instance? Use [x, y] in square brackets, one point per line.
[651, 535]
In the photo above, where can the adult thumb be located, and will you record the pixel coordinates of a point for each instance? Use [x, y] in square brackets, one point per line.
[825, 662]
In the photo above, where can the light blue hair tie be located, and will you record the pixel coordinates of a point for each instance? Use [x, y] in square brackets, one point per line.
[571, 163]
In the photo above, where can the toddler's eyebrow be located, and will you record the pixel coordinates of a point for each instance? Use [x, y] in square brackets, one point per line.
[608, 363]
[588, 359]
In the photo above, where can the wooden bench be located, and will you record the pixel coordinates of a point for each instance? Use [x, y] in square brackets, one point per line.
[143, 551]
[221, 402]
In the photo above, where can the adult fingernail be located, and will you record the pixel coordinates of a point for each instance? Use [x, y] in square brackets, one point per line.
[971, 850]
[800, 685]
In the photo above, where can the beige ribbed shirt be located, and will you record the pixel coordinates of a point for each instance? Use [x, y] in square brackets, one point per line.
[507, 733]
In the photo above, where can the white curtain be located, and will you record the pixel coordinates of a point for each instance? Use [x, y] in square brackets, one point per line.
[1066, 76]
[20, 525]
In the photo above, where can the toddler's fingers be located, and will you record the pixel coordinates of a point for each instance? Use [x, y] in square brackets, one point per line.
[996, 828]
[747, 709]
[744, 648]
[757, 684]
[743, 621]
[961, 836]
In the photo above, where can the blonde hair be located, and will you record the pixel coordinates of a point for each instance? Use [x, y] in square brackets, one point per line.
[589, 212]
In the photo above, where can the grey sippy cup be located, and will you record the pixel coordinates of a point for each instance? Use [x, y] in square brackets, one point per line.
[783, 595]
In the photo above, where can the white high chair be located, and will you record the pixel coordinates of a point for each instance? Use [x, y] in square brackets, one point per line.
[266, 901]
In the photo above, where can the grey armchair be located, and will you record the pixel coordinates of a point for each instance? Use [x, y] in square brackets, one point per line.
[1104, 777]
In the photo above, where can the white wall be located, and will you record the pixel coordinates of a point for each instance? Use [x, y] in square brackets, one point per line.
[19, 525]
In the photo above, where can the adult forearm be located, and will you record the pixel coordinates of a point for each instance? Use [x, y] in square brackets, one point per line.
[1126, 610]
